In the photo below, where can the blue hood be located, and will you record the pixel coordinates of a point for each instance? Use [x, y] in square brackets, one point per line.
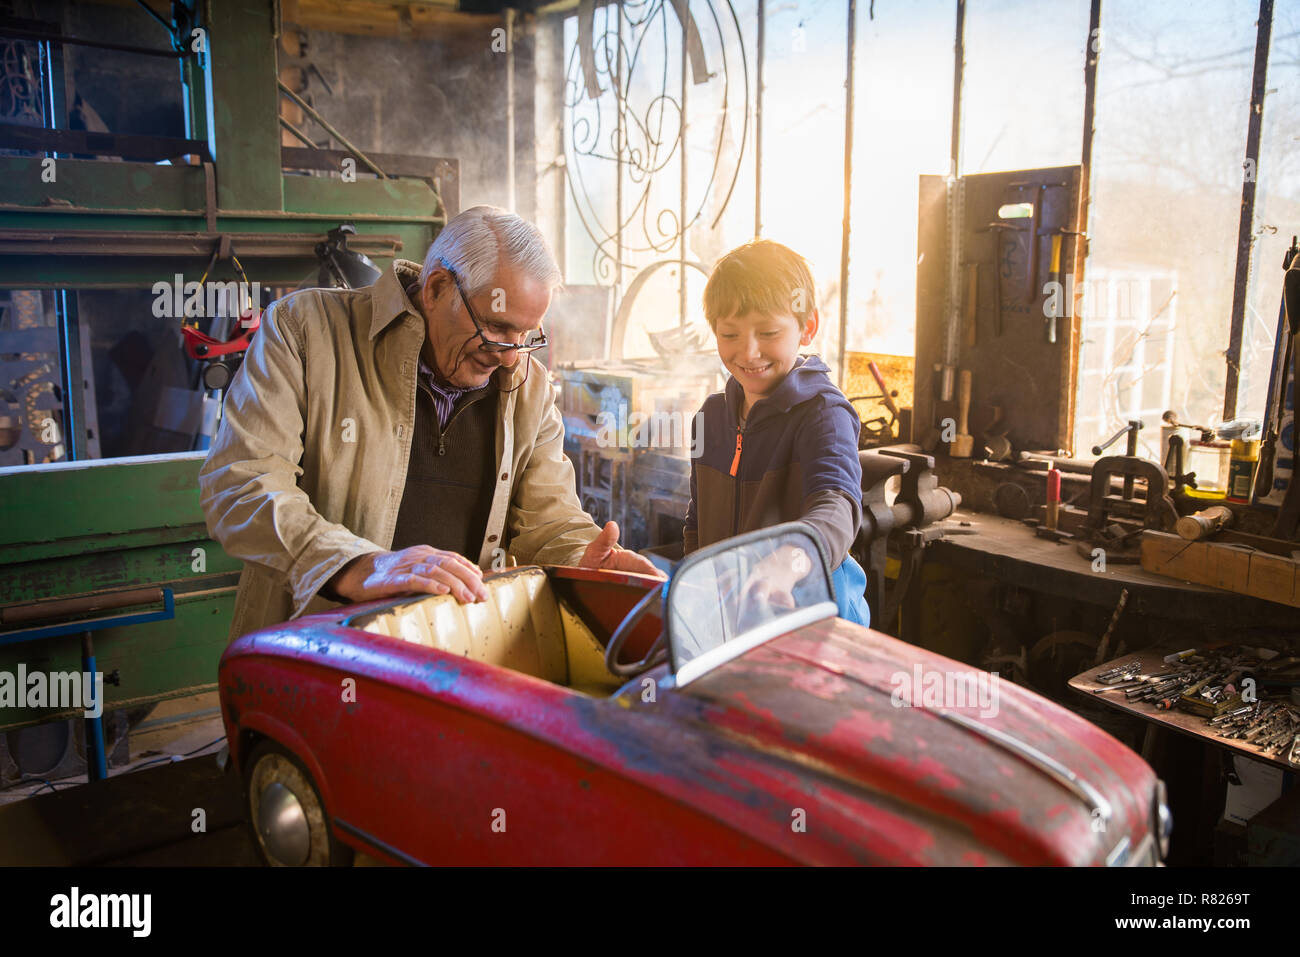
[809, 378]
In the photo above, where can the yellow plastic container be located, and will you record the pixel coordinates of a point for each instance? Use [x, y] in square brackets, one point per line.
[1241, 469]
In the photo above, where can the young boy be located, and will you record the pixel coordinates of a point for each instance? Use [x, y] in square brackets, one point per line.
[780, 444]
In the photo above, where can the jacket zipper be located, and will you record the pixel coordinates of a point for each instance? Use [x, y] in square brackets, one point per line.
[735, 472]
[735, 463]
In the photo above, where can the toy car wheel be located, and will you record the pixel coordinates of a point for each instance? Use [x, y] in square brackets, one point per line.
[287, 814]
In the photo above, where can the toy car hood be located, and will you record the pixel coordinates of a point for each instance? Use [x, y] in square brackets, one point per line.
[875, 723]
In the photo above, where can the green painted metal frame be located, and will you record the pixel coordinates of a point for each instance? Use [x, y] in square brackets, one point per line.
[252, 192]
[79, 527]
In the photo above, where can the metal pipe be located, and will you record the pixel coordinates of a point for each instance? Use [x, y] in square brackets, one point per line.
[166, 25]
[310, 111]
[958, 67]
[848, 185]
[510, 108]
[561, 245]
[954, 216]
[20, 34]
[1070, 356]
[1249, 175]
[96, 757]
[61, 609]
[618, 167]
[682, 187]
[298, 134]
[758, 120]
[74, 381]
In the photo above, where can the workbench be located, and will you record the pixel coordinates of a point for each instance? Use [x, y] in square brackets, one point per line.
[1174, 719]
[1009, 551]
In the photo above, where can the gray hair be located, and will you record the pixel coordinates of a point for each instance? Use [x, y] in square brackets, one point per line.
[476, 242]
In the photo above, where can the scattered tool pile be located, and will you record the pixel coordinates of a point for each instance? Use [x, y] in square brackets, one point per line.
[1224, 686]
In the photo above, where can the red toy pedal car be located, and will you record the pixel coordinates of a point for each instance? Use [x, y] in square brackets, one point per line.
[727, 717]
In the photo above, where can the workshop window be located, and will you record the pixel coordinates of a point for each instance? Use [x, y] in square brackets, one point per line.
[1022, 100]
[1277, 207]
[902, 126]
[638, 205]
[802, 152]
[1172, 102]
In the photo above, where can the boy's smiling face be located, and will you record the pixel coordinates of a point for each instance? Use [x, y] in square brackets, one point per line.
[760, 350]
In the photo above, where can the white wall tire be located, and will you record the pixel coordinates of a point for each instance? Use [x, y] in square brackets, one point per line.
[288, 819]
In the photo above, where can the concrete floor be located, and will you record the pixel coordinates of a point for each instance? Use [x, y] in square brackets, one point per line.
[175, 730]
[171, 805]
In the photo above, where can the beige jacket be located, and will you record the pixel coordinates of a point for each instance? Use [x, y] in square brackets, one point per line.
[308, 467]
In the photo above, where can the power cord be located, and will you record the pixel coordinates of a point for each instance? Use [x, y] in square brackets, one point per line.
[172, 758]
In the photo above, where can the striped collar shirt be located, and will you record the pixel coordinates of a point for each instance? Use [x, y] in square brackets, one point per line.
[445, 397]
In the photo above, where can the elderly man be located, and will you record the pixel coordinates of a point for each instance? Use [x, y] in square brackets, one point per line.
[399, 438]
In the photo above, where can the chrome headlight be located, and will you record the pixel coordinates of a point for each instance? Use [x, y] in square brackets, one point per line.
[1162, 822]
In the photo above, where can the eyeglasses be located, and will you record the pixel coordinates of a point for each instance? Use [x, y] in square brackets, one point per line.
[536, 341]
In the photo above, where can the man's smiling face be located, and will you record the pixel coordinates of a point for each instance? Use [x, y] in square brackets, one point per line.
[760, 350]
[510, 309]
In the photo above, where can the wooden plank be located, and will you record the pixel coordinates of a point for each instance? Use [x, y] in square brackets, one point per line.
[1273, 578]
[1231, 566]
[1174, 557]
[377, 18]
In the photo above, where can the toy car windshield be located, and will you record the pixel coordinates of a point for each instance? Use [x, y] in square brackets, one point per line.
[733, 596]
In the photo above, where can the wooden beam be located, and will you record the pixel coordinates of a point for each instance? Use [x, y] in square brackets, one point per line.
[375, 18]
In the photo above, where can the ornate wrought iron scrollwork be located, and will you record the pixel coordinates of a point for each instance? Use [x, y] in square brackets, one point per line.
[636, 129]
[20, 84]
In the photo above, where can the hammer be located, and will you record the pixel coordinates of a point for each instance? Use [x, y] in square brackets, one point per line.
[963, 443]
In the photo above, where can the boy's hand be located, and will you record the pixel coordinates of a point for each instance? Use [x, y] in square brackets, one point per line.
[773, 580]
[605, 552]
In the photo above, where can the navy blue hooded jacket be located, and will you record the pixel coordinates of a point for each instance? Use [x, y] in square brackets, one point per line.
[796, 445]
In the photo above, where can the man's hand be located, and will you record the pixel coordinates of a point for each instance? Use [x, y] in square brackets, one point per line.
[605, 553]
[420, 568]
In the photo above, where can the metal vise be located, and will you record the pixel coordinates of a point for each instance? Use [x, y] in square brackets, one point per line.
[910, 520]
[1115, 521]
[1157, 511]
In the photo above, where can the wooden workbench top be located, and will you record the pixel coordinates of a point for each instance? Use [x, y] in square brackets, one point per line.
[1009, 550]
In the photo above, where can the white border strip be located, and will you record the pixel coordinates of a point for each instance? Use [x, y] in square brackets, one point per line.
[699, 666]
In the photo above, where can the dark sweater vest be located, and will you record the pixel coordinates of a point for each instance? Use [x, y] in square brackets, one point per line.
[450, 478]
